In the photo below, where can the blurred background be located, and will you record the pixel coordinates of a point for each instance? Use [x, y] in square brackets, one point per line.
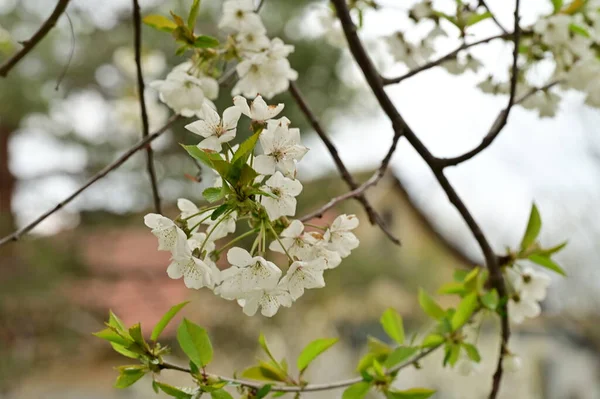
[70, 107]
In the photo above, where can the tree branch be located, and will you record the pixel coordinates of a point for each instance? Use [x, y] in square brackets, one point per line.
[137, 38]
[306, 388]
[107, 169]
[374, 217]
[483, 3]
[401, 128]
[502, 117]
[35, 39]
[440, 60]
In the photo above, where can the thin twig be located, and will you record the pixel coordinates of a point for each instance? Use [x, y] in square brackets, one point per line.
[137, 39]
[107, 169]
[502, 117]
[306, 388]
[483, 3]
[63, 73]
[535, 90]
[36, 38]
[401, 128]
[496, 276]
[374, 217]
[438, 61]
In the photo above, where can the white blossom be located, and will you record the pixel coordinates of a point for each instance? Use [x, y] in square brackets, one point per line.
[544, 101]
[190, 213]
[303, 275]
[512, 363]
[165, 230]
[196, 273]
[221, 226]
[250, 42]
[184, 93]
[268, 299]
[320, 249]
[465, 366]
[532, 284]
[339, 237]
[247, 274]
[240, 15]
[282, 149]
[422, 9]
[554, 30]
[520, 308]
[294, 241]
[258, 110]
[283, 190]
[214, 130]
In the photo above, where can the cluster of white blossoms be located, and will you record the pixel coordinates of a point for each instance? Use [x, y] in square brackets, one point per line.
[265, 200]
[528, 289]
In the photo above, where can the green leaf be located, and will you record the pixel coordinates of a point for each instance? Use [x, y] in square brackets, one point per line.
[460, 275]
[464, 310]
[550, 251]
[452, 287]
[378, 347]
[490, 299]
[263, 392]
[547, 263]
[160, 22]
[534, 225]
[452, 354]
[178, 20]
[213, 194]
[414, 393]
[221, 394]
[164, 321]
[247, 176]
[391, 322]
[557, 5]
[219, 211]
[112, 336]
[263, 372]
[115, 322]
[399, 355]
[357, 391]
[124, 351]
[430, 306]
[476, 18]
[129, 375]
[378, 369]
[246, 148]
[206, 157]
[312, 350]
[262, 341]
[136, 334]
[173, 391]
[579, 30]
[472, 352]
[194, 341]
[433, 340]
[205, 41]
[193, 14]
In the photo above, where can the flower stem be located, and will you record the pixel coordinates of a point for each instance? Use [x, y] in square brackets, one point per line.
[280, 243]
[214, 227]
[201, 211]
[236, 239]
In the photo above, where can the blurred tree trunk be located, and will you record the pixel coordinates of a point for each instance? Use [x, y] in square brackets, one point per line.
[7, 185]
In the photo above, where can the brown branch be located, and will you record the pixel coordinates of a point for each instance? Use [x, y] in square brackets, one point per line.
[35, 39]
[534, 90]
[440, 60]
[401, 128]
[502, 117]
[107, 169]
[483, 3]
[306, 388]
[374, 217]
[137, 39]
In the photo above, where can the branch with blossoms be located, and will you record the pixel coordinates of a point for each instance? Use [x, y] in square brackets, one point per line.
[242, 240]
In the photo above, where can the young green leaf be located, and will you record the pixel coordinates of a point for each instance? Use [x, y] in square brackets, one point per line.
[220, 394]
[160, 22]
[312, 350]
[432, 340]
[263, 391]
[550, 251]
[115, 322]
[452, 288]
[547, 263]
[490, 299]
[579, 30]
[112, 336]
[206, 157]
[164, 321]
[464, 310]
[205, 41]
[193, 14]
[472, 352]
[124, 351]
[357, 391]
[452, 354]
[262, 341]
[534, 225]
[173, 391]
[399, 355]
[414, 393]
[429, 306]
[264, 372]
[246, 148]
[391, 322]
[194, 341]
[213, 194]
[557, 5]
[177, 19]
[129, 375]
[476, 18]
[219, 211]
[378, 347]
